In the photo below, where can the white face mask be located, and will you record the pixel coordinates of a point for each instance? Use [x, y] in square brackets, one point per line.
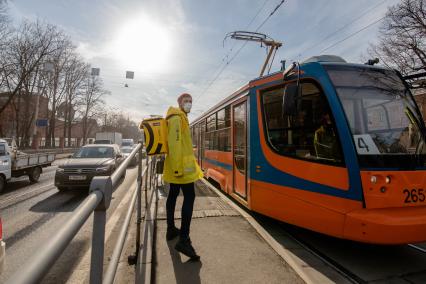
[187, 107]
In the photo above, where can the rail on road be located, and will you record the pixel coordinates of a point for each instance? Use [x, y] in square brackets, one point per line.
[97, 202]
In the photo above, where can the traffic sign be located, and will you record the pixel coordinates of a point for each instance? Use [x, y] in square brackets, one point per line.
[43, 122]
[130, 74]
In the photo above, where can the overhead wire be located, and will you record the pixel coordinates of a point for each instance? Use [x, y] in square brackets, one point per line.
[225, 58]
[239, 50]
[341, 28]
[246, 27]
[353, 34]
[270, 15]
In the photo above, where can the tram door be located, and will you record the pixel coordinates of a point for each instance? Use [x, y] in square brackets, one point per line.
[239, 142]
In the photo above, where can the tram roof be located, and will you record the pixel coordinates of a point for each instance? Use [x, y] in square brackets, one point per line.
[242, 91]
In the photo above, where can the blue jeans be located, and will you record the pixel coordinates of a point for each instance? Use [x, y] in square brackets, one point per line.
[187, 207]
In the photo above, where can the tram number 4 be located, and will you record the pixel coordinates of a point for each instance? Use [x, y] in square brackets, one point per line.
[362, 144]
[414, 195]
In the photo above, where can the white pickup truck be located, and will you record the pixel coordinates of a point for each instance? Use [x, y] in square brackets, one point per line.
[14, 163]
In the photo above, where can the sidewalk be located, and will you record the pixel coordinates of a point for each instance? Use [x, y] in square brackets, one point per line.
[231, 250]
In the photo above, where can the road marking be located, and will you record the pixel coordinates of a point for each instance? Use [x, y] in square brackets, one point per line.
[3, 202]
[82, 269]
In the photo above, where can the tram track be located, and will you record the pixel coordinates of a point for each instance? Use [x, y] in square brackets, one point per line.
[417, 248]
[346, 273]
[354, 261]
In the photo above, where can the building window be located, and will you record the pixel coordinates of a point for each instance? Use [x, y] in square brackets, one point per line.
[309, 132]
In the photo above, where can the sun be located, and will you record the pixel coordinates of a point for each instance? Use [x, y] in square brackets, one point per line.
[143, 44]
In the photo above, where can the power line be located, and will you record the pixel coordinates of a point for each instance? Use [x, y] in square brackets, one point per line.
[246, 27]
[270, 15]
[239, 50]
[353, 34]
[342, 28]
[222, 67]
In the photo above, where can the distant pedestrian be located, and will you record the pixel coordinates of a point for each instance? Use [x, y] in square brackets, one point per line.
[181, 171]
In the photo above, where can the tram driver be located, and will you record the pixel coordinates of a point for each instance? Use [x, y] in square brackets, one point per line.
[325, 142]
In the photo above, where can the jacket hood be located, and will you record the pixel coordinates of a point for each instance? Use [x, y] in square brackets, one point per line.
[174, 111]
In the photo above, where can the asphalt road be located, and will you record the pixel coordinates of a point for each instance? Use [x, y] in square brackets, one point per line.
[31, 213]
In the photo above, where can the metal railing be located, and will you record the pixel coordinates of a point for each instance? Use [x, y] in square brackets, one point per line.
[97, 202]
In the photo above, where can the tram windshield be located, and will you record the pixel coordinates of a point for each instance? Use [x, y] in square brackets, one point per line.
[384, 120]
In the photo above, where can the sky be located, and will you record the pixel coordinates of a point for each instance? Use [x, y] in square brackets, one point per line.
[177, 46]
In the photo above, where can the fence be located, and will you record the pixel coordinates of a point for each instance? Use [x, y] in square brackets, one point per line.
[97, 202]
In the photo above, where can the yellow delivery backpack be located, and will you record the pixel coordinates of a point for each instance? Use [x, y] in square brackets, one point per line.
[155, 131]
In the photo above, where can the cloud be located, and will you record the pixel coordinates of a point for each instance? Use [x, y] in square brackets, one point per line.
[197, 29]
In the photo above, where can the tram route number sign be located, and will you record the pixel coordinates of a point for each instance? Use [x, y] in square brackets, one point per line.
[365, 145]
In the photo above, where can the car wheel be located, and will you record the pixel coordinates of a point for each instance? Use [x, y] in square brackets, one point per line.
[2, 183]
[35, 174]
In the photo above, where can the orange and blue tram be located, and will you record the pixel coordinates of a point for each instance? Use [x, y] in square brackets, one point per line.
[327, 145]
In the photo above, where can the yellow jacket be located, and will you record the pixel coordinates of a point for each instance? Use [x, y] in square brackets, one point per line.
[180, 166]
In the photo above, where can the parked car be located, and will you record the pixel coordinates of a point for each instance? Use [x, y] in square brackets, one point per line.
[2, 248]
[89, 161]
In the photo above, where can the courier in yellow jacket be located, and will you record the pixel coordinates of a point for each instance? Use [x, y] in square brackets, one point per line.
[181, 171]
[180, 166]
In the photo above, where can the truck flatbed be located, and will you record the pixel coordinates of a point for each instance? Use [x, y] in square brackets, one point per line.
[24, 161]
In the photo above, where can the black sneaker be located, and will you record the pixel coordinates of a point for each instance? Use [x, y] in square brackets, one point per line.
[185, 247]
[172, 233]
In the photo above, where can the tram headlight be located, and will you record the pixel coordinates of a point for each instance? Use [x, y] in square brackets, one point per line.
[388, 179]
[373, 179]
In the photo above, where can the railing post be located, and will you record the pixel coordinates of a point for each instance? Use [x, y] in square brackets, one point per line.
[103, 184]
[146, 182]
[139, 205]
[154, 173]
[98, 241]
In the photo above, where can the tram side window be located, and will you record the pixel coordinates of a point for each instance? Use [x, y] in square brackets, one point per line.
[211, 123]
[218, 131]
[202, 137]
[224, 129]
[309, 132]
[195, 138]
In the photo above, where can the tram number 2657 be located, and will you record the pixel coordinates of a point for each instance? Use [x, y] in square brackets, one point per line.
[414, 195]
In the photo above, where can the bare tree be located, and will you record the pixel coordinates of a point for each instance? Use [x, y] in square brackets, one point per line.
[4, 22]
[91, 103]
[25, 51]
[57, 84]
[402, 42]
[75, 75]
[20, 65]
[119, 122]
